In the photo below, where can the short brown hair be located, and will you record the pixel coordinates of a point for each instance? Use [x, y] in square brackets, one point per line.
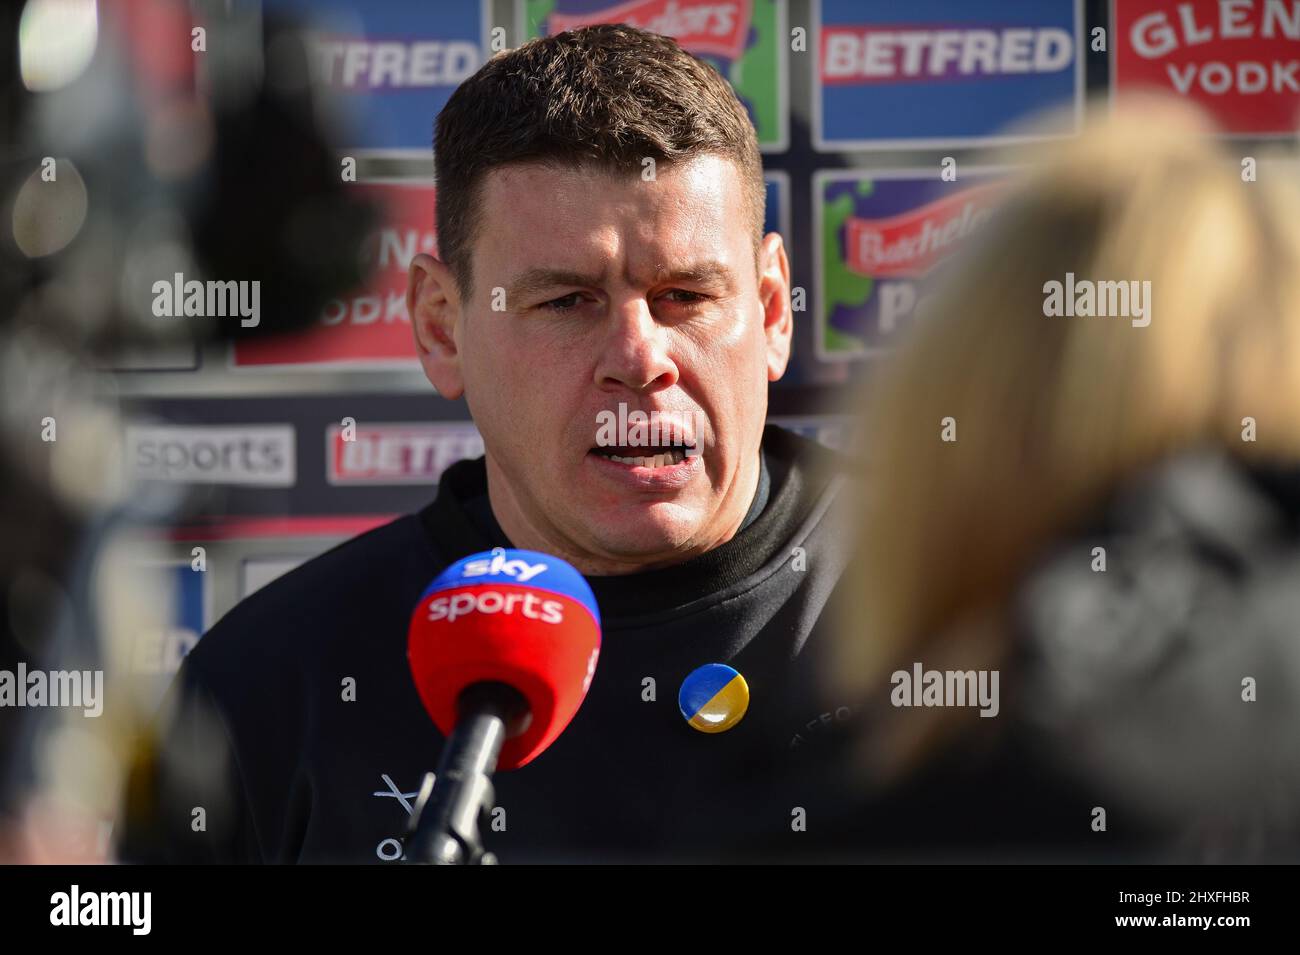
[606, 96]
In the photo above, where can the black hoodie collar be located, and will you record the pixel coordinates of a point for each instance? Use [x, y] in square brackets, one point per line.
[460, 522]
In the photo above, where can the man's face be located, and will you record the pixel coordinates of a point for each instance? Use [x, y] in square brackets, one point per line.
[592, 291]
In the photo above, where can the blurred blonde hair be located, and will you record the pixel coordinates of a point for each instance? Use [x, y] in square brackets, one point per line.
[1051, 413]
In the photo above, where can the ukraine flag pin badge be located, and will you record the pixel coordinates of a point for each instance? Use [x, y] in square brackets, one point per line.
[713, 698]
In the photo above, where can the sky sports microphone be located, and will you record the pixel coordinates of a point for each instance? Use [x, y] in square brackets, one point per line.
[502, 647]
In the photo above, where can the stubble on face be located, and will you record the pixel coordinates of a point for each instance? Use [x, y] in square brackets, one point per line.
[616, 291]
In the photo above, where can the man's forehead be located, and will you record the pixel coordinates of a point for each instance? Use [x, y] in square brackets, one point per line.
[565, 203]
[576, 219]
[704, 173]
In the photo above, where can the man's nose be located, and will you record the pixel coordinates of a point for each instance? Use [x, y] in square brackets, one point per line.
[634, 353]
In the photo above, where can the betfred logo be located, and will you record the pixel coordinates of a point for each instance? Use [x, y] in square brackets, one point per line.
[719, 27]
[398, 453]
[355, 63]
[910, 243]
[905, 52]
[938, 73]
[1238, 60]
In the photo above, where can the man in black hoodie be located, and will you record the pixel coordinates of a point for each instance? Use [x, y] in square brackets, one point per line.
[601, 265]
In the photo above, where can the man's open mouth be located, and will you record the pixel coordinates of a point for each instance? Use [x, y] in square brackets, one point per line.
[655, 456]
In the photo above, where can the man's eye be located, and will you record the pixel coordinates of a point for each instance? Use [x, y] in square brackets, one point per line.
[573, 300]
[564, 303]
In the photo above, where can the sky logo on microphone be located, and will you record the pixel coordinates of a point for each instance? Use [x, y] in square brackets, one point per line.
[499, 564]
[508, 582]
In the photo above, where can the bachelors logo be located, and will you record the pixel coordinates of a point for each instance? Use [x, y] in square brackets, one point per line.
[745, 40]
[719, 27]
[910, 243]
[884, 235]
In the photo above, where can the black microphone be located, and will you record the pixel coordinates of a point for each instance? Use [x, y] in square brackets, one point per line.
[502, 647]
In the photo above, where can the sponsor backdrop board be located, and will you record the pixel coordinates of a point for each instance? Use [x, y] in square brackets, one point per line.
[179, 356]
[157, 652]
[938, 73]
[776, 211]
[406, 453]
[368, 328]
[853, 128]
[262, 455]
[747, 40]
[1238, 61]
[390, 65]
[882, 236]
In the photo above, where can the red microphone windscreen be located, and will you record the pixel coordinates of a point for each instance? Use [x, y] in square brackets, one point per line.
[513, 616]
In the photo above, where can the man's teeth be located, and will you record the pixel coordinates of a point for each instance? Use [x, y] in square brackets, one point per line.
[675, 456]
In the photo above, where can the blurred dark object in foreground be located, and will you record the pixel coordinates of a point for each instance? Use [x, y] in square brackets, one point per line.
[128, 156]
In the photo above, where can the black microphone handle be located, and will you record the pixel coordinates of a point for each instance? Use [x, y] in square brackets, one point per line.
[445, 818]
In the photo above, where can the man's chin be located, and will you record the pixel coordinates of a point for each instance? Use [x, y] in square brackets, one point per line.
[657, 534]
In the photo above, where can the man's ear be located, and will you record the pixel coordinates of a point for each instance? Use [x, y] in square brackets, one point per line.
[433, 303]
[774, 293]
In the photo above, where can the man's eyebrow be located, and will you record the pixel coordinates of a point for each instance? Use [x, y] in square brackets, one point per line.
[700, 272]
[539, 279]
